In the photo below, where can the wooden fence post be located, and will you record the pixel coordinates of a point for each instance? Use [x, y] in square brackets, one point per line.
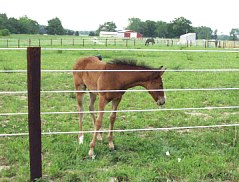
[106, 42]
[34, 120]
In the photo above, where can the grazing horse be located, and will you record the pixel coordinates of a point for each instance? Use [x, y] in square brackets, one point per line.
[149, 40]
[103, 80]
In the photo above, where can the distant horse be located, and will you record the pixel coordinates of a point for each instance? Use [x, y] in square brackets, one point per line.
[103, 80]
[149, 40]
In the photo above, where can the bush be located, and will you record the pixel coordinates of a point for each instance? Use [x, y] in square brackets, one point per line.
[4, 32]
[92, 34]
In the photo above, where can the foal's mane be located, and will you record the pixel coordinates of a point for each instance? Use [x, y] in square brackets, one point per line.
[130, 62]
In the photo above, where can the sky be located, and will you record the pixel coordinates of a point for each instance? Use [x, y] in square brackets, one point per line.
[89, 14]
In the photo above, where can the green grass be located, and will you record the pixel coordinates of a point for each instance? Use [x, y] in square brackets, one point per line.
[195, 155]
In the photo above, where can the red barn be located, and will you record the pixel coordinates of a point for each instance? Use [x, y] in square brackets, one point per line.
[129, 34]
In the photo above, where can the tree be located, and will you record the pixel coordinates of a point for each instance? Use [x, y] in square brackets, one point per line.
[234, 34]
[69, 32]
[161, 29]
[203, 32]
[135, 24]
[4, 32]
[42, 29]
[77, 33]
[14, 26]
[107, 26]
[150, 27]
[179, 26]
[215, 34]
[3, 21]
[55, 27]
[92, 33]
[28, 26]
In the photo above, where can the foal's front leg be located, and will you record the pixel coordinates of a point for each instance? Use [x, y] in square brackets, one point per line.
[92, 108]
[98, 124]
[115, 104]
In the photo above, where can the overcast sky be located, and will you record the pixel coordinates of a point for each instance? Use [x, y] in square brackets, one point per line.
[89, 14]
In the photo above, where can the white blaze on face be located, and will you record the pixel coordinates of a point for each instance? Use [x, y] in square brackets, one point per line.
[161, 100]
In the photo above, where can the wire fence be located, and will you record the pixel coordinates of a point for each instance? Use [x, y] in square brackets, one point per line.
[108, 41]
[125, 130]
[154, 70]
[130, 90]
[126, 111]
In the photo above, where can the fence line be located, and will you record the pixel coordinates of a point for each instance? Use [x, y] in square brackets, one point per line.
[107, 41]
[126, 49]
[124, 111]
[154, 70]
[130, 90]
[127, 130]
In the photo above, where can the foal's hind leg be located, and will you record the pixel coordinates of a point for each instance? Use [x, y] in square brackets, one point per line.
[115, 104]
[92, 108]
[79, 97]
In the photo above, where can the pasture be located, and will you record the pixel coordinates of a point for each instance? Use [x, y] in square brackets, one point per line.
[170, 155]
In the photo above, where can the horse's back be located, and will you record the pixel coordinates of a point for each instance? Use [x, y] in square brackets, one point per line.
[88, 63]
[89, 79]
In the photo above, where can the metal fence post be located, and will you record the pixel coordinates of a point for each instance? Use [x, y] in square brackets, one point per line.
[34, 121]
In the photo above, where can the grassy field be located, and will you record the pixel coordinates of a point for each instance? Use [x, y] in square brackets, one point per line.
[182, 155]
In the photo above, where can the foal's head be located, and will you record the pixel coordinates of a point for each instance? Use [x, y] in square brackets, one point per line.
[156, 83]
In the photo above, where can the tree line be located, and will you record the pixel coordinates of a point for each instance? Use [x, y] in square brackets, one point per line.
[148, 28]
[173, 29]
[25, 25]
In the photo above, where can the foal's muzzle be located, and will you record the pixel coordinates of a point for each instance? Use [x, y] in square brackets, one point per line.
[161, 101]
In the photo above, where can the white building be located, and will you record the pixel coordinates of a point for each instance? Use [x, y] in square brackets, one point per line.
[108, 34]
[121, 34]
[189, 38]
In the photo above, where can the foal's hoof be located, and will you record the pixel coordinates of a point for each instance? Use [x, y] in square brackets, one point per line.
[91, 153]
[111, 146]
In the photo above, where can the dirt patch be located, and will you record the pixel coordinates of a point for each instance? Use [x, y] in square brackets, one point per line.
[3, 164]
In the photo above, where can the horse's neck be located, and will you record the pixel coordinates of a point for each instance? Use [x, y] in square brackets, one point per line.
[126, 80]
[136, 79]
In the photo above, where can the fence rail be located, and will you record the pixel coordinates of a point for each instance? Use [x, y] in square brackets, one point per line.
[129, 90]
[125, 130]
